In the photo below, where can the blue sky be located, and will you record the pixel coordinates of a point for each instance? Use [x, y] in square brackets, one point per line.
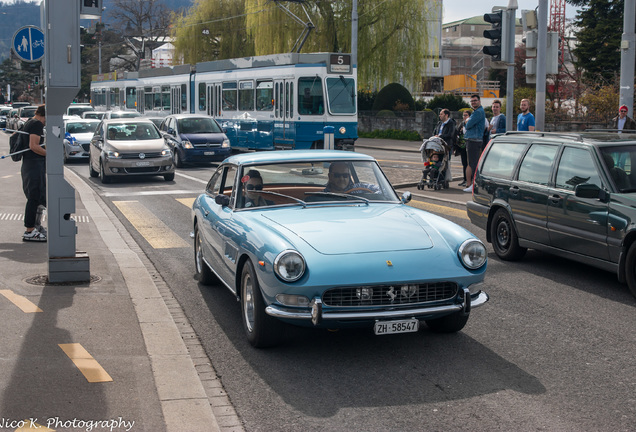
[455, 10]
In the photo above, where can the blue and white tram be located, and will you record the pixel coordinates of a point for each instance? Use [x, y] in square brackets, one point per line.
[280, 101]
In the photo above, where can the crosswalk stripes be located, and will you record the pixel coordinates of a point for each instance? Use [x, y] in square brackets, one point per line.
[20, 216]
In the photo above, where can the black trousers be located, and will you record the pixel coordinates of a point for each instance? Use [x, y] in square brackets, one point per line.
[34, 187]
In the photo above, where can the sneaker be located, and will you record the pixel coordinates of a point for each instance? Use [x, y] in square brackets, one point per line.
[469, 189]
[34, 236]
[462, 183]
[42, 230]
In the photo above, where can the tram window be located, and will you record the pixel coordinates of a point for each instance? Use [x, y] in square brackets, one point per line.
[342, 95]
[310, 98]
[291, 99]
[157, 102]
[264, 95]
[184, 98]
[148, 98]
[165, 98]
[287, 104]
[131, 97]
[114, 97]
[229, 96]
[276, 100]
[246, 96]
[202, 97]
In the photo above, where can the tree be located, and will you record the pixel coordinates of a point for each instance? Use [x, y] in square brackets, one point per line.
[392, 36]
[144, 25]
[598, 49]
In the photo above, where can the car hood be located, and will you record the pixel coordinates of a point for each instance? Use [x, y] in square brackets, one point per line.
[138, 145]
[352, 229]
[204, 138]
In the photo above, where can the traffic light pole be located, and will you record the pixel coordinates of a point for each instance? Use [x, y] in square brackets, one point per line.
[510, 75]
[628, 56]
[542, 46]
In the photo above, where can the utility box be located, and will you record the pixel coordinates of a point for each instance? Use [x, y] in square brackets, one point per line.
[63, 56]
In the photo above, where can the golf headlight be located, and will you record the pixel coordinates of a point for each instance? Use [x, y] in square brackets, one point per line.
[187, 144]
[473, 254]
[289, 265]
[113, 154]
[166, 152]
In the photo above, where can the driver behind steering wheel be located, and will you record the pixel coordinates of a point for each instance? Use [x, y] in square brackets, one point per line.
[340, 181]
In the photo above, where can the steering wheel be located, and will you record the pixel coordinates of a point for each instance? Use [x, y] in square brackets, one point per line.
[360, 189]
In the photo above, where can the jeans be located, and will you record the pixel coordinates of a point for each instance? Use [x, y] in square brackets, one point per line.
[34, 187]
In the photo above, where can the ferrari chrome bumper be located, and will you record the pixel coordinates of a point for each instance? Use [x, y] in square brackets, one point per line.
[317, 314]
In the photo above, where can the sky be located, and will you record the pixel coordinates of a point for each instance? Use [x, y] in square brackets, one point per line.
[455, 10]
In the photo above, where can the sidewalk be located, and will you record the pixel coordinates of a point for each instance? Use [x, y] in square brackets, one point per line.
[405, 182]
[104, 355]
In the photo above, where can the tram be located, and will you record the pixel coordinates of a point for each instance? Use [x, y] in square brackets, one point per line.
[280, 101]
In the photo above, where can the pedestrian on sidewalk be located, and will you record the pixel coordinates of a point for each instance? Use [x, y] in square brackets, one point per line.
[34, 176]
[498, 120]
[525, 120]
[460, 144]
[474, 138]
[623, 121]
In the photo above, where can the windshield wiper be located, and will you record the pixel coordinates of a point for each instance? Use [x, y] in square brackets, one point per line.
[340, 195]
[299, 201]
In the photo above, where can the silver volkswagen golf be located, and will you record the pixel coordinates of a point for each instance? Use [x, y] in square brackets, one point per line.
[122, 147]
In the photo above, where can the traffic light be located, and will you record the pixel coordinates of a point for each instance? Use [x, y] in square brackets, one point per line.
[498, 34]
[530, 40]
[494, 34]
[36, 80]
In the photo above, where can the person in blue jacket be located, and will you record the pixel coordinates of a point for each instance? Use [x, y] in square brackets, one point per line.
[474, 136]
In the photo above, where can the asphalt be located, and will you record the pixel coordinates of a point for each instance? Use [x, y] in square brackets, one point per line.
[115, 353]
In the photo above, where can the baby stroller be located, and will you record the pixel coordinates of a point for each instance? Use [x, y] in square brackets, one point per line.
[436, 173]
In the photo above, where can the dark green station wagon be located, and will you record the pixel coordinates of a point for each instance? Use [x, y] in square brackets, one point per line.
[572, 195]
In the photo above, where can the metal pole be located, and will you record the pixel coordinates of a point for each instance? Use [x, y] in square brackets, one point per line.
[542, 48]
[354, 34]
[628, 56]
[510, 75]
[99, 51]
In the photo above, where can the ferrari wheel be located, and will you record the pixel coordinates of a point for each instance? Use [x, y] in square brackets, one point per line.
[203, 272]
[261, 329]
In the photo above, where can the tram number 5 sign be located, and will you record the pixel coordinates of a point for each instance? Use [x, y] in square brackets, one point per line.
[28, 44]
[340, 63]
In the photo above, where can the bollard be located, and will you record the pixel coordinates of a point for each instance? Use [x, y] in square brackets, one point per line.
[328, 133]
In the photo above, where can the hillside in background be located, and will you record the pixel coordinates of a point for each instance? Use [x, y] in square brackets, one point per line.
[19, 14]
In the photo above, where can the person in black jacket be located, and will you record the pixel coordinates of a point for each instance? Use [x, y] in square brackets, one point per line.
[445, 129]
[34, 176]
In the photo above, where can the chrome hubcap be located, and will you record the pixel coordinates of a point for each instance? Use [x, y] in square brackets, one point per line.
[248, 302]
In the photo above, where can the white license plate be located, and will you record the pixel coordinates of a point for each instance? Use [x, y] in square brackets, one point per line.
[392, 327]
[146, 163]
[208, 153]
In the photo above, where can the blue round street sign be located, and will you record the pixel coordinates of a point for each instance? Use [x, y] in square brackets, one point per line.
[28, 43]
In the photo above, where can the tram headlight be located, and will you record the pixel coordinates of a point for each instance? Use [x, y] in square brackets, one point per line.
[342, 130]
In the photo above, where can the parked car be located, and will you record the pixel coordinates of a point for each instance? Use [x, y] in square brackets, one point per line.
[195, 138]
[124, 147]
[156, 120]
[79, 108]
[302, 255]
[17, 105]
[572, 195]
[23, 114]
[121, 114]
[4, 112]
[77, 137]
[93, 115]
[12, 120]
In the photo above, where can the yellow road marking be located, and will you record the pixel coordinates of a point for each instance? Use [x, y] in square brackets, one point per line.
[400, 162]
[186, 201]
[149, 226]
[87, 365]
[436, 208]
[30, 425]
[26, 305]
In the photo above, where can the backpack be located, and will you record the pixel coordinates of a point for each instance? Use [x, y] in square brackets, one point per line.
[18, 142]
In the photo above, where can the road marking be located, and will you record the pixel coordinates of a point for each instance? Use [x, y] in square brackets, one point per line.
[20, 216]
[436, 208]
[192, 178]
[400, 162]
[150, 193]
[22, 302]
[85, 362]
[149, 226]
[186, 201]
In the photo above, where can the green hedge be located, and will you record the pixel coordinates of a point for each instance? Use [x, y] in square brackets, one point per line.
[392, 134]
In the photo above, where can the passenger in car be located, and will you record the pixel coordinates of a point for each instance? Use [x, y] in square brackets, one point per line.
[252, 186]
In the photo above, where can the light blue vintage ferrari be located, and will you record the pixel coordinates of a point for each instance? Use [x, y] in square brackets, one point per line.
[320, 238]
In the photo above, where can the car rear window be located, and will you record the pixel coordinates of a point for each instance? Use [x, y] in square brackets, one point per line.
[501, 159]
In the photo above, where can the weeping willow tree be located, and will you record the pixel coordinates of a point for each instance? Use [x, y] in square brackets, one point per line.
[392, 34]
[212, 30]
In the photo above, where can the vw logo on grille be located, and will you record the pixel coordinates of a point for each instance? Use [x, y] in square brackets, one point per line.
[142, 155]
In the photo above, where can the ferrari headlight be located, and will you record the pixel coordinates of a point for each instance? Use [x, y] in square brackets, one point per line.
[289, 265]
[473, 254]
